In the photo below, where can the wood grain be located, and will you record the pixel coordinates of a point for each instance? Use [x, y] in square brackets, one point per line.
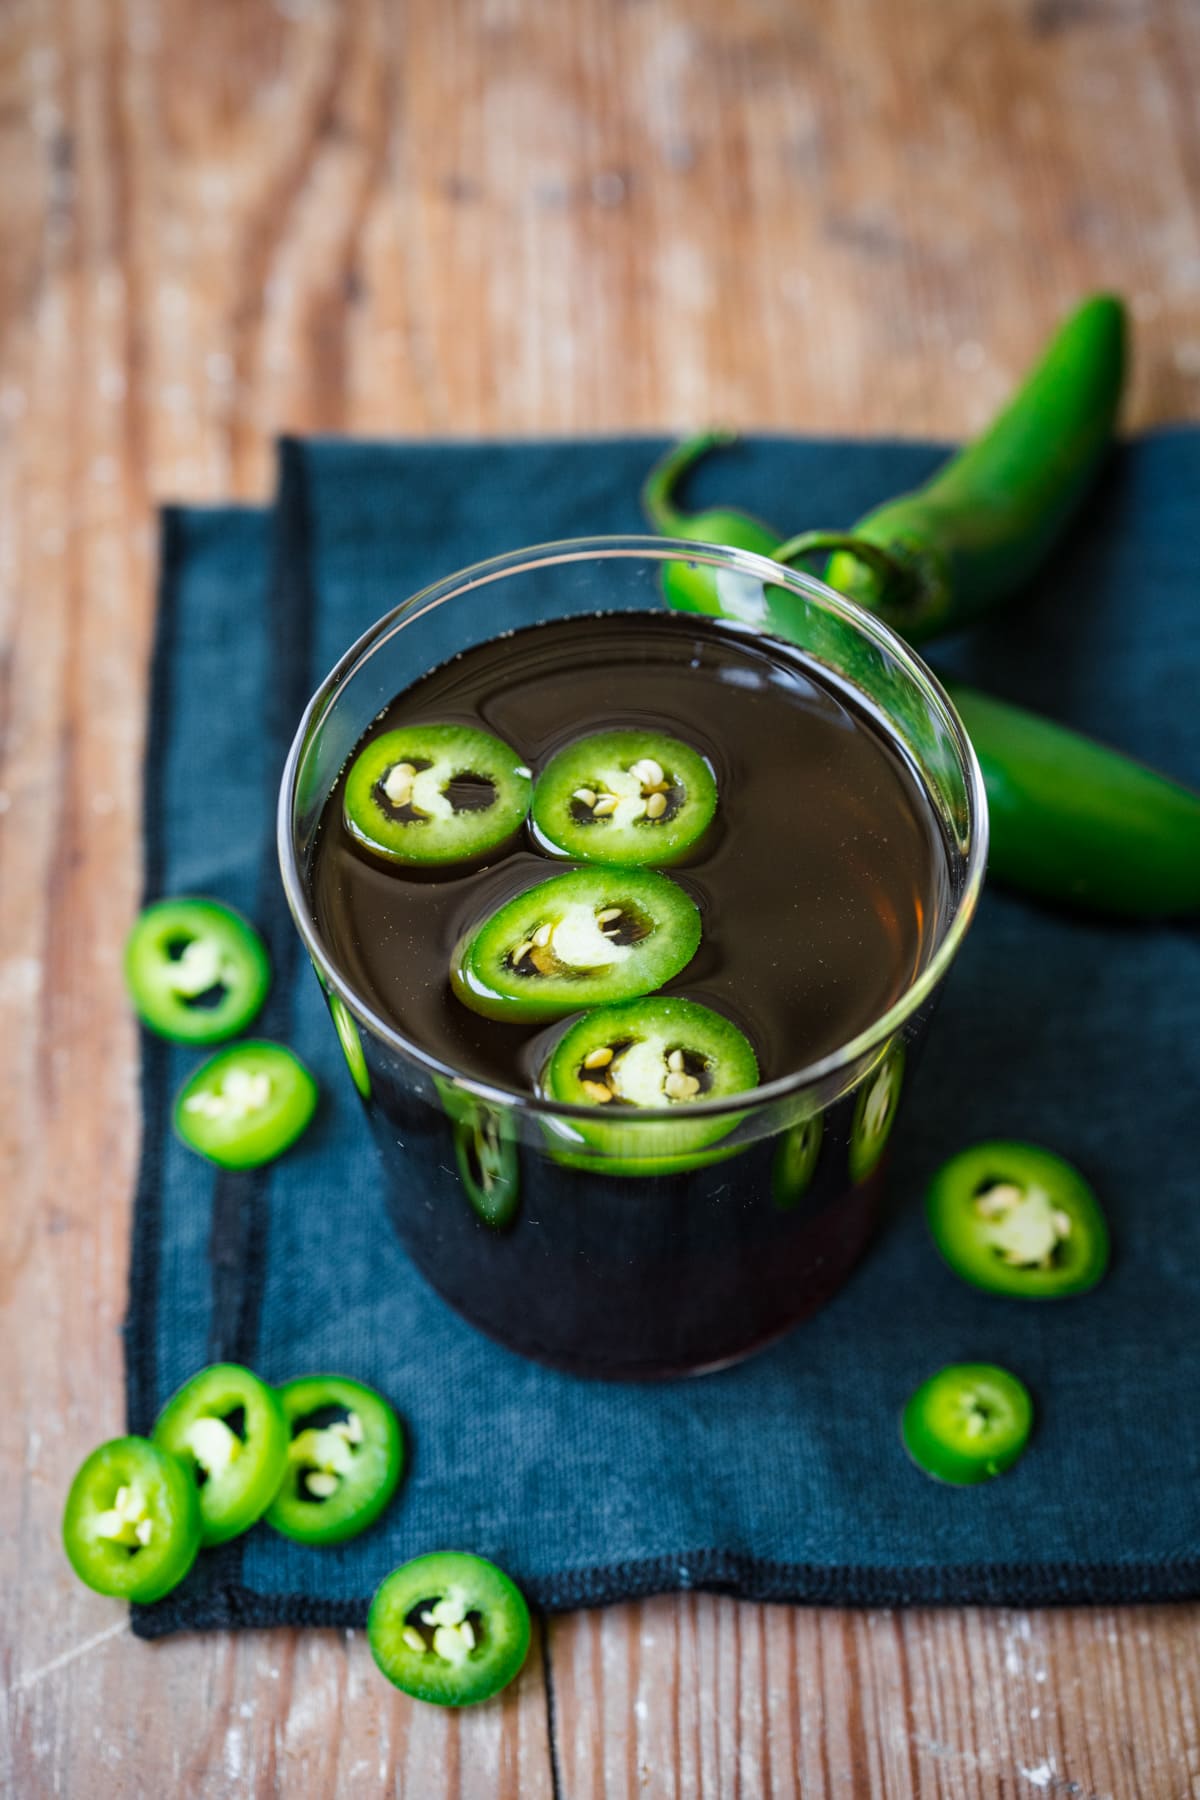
[459, 216]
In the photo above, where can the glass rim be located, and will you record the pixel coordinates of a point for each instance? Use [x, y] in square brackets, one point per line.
[875, 1036]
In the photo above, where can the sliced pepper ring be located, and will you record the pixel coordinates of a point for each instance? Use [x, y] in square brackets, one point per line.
[449, 1628]
[967, 1423]
[226, 1430]
[795, 1161]
[1015, 1219]
[131, 1524]
[486, 1153]
[196, 971]
[875, 1113]
[432, 795]
[344, 1459]
[246, 1105]
[584, 938]
[351, 1042]
[658, 1052]
[624, 798]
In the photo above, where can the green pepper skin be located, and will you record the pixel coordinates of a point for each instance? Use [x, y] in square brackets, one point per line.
[1074, 821]
[688, 587]
[976, 532]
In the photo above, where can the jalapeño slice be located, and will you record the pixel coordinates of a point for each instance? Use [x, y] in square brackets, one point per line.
[196, 971]
[344, 1459]
[449, 1627]
[351, 1042]
[967, 1423]
[624, 797]
[226, 1429]
[430, 795]
[660, 1052]
[1015, 1219]
[485, 1150]
[795, 1162]
[131, 1525]
[246, 1105]
[875, 1113]
[581, 939]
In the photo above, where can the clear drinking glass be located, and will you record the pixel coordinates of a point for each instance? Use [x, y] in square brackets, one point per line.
[567, 1257]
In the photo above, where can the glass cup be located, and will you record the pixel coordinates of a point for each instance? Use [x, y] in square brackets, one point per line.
[632, 1258]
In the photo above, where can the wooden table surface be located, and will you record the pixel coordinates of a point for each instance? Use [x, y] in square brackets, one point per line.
[457, 216]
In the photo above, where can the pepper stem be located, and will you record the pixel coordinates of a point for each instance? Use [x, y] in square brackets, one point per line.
[812, 543]
[658, 489]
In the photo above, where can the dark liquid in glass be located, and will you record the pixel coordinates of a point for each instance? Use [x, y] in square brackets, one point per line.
[822, 885]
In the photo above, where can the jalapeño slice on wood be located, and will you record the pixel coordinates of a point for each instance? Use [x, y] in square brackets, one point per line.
[449, 1627]
[131, 1526]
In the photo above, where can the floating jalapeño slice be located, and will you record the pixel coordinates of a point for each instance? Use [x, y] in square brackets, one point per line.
[431, 795]
[581, 939]
[624, 797]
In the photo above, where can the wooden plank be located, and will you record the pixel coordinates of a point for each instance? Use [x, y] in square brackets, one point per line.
[703, 1695]
[456, 216]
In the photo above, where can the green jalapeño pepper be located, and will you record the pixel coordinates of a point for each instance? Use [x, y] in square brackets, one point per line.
[690, 587]
[1073, 821]
[935, 558]
[932, 559]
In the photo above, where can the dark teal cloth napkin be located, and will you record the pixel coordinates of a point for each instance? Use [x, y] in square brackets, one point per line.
[782, 1479]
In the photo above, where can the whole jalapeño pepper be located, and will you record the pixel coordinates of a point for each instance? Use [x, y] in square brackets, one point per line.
[1074, 821]
[1071, 820]
[690, 587]
[935, 558]
[975, 532]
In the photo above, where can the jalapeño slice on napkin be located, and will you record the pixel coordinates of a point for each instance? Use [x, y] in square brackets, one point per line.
[430, 795]
[247, 1105]
[485, 1153]
[226, 1430]
[660, 1052]
[796, 1162]
[581, 939]
[1016, 1219]
[875, 1114]
[344, 1459]
[967, 1423]
[625, 797]
[196, 971]
[449, 1627]
[131, 1526]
